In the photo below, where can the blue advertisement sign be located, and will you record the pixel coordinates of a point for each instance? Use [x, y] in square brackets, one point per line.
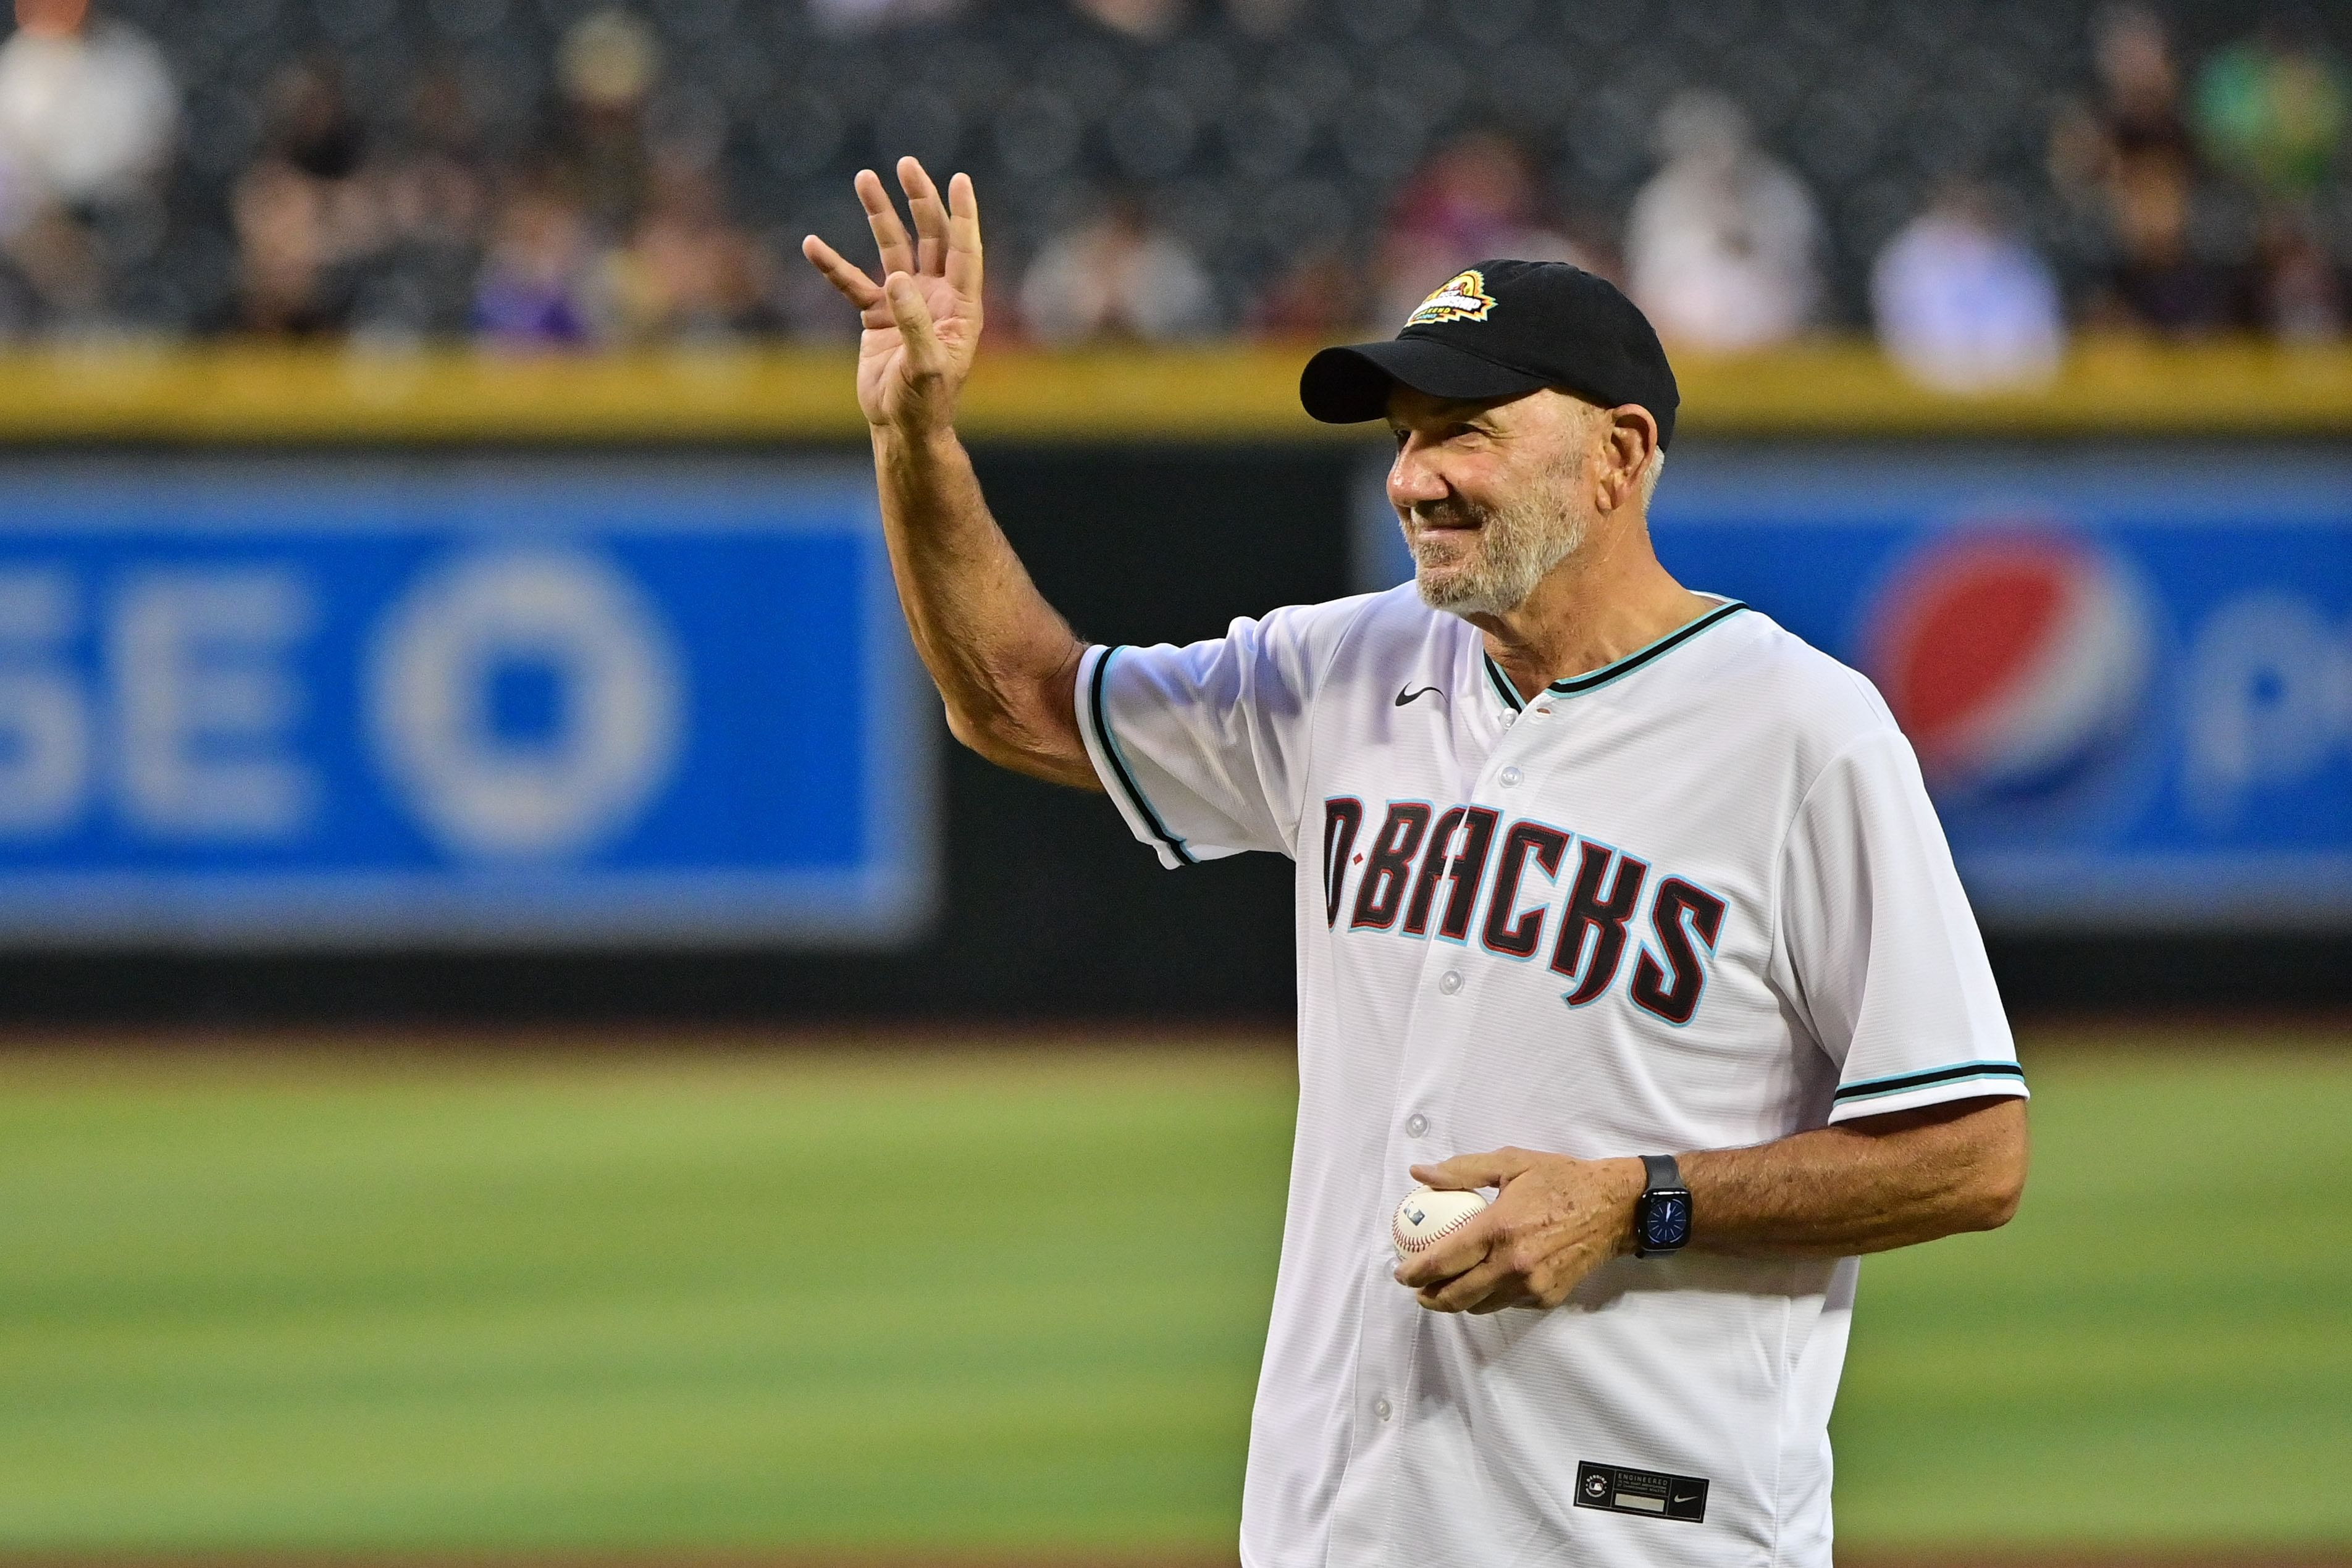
[246, 701]
[2128, 676]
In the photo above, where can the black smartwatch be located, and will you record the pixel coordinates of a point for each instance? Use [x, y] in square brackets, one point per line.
[1662, 1214]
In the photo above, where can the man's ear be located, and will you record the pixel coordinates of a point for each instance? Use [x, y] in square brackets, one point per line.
[1633, 436]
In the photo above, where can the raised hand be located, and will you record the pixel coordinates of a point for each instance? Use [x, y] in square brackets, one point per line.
[923, 320]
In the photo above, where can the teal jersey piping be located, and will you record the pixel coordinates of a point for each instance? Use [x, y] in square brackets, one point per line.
[1502, 684]
[1934, 1078]
[1125, 776]
[1580, 684]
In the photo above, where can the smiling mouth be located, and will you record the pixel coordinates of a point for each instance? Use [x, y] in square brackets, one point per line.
[1425, 526]
[1452, 518]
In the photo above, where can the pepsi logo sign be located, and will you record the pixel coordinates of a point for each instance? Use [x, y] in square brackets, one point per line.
[2016, 657]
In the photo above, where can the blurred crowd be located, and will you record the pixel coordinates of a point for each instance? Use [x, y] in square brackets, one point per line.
[599, 206]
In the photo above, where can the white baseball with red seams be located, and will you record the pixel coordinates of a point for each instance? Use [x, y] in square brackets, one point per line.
[1428, 1215]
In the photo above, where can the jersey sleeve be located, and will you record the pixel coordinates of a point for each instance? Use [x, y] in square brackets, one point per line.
[1876, 947]
[1204, 747]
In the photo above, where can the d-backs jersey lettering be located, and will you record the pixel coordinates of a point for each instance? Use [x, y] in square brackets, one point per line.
[1697, 899]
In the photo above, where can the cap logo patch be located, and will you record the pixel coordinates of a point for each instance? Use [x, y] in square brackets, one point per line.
[1463, 298]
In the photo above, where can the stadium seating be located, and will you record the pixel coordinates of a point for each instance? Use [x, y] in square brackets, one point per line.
[1241, 142]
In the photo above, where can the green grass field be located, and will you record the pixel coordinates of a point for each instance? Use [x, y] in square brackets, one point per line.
[1012, 1303]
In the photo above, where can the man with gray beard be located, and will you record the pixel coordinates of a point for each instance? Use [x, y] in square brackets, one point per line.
[1614, 900]
[1519, 542]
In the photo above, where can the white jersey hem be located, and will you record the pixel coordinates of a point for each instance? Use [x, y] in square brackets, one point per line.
[1989, 1086]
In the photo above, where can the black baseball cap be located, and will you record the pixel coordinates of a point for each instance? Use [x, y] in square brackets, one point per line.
[1500, 329]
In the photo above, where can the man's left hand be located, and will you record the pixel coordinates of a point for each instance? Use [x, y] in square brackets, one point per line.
[1557, 1219]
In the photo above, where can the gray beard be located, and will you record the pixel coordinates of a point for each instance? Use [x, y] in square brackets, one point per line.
[1518, 545]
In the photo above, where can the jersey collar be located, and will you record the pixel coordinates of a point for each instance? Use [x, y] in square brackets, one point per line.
[1594, 680]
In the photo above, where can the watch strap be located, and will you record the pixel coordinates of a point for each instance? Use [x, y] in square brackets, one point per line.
[1663, 1172]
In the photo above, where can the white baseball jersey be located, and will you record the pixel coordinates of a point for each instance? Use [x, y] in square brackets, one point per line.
[1695, 900]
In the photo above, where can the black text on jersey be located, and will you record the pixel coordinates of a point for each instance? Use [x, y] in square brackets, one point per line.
[1423, 871]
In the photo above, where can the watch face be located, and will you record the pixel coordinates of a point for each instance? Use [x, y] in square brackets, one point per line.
[1665, 1221]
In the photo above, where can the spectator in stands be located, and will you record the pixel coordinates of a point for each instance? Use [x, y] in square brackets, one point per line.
[2274, 110]
[688, 271]
[1477, 197]
[1117, 276]
[88, 115]
[88, 109]
[2134, 133]
[2300, 293]
[284, 256]
[1721, 245]
[52, 278]
[311, 123]
[535, 289]
[307, 225]
[1317, 298]
[2158, 283]
[432, 188]
[1962, 302]
[607, 66]
[2129, 163]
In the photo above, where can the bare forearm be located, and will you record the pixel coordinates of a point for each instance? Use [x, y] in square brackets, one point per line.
[1866, 1187]
[1879, 1183]
[1005, 662]
[1005, 665]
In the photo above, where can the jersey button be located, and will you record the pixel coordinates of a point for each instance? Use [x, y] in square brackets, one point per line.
[1510, 777]
[1449, 981]
[1415, 1126]
[1382, 1408]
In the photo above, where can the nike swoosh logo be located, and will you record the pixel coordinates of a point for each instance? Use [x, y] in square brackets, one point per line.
[1405, 695]
[1680, 1501]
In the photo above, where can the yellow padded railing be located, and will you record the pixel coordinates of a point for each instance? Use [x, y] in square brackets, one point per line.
[239, 395]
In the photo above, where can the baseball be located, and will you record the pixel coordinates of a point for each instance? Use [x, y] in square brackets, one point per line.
[1429, 1213]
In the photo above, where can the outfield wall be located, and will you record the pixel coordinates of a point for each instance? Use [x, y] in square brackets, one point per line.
[447, 688]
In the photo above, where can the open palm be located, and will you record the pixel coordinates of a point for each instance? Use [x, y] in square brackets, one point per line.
[923, 320]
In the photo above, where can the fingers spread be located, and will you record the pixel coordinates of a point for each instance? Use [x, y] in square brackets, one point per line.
[930, 215]
[963, 238]
[860, 289]
[889, 234]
